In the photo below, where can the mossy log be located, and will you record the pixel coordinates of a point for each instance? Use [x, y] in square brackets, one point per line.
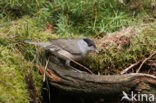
[87, 84]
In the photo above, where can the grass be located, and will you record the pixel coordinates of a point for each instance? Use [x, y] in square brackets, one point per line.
[82, 17]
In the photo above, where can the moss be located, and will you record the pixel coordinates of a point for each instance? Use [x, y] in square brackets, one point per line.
[12, 87]
[14, 67]
[113, 59]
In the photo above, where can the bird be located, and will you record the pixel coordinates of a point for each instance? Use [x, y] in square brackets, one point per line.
[75, 49]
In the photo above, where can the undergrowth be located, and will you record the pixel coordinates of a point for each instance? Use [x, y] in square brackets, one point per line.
[83, 17]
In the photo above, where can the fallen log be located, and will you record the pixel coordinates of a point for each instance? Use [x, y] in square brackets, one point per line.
[87, 84]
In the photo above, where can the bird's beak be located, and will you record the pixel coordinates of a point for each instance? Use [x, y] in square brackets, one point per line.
[96, 51]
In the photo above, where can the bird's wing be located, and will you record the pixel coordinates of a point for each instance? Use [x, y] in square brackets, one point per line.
[69, 45]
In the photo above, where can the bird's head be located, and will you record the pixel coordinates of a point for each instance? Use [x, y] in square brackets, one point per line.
[90, 45]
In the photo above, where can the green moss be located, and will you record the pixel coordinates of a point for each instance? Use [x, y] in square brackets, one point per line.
[113, 59]
[13, 89]
[14, 67]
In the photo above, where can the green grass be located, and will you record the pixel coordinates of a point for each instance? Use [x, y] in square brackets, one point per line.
[82, 17]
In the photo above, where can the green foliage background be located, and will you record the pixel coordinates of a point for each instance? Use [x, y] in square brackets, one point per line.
[85, 17]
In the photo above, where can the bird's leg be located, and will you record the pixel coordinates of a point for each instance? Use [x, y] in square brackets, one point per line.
[68, 64]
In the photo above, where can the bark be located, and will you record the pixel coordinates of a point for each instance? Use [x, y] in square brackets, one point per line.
[87, 84]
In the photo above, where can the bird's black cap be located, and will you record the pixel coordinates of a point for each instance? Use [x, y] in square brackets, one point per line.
[89, 42]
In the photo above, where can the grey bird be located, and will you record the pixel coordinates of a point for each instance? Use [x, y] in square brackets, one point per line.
[75, 49]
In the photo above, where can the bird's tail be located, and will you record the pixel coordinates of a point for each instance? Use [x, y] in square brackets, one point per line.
[38, 43]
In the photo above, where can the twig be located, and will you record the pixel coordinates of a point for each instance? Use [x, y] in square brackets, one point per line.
[151, 63]
[145, 61]
[130, 67]
[45, 70]
[67, 16]
[135, 64]
[140, 5]
[38, 4]
[79, 64]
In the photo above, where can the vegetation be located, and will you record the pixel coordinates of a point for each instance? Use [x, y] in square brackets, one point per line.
[136, 45]
[28, 20]
[85, 17]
